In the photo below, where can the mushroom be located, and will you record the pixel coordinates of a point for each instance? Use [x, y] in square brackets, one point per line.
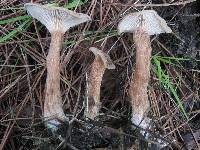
[101, 62]
[142, 24]
[57, 20]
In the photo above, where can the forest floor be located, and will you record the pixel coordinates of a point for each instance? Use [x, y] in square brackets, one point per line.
[174, 88]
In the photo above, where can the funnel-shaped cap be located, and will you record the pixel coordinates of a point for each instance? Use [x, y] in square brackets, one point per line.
[56, 18]
[147, 20]
[104, 57]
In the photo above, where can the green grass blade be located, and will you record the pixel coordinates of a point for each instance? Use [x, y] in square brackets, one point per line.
[171, 88]
[180, 105]
[53, 5]
[165, 81]
[165, 60]
[74, 4]
[8, 36]
[157, 62]
[11, 20]
[70, 5]
[13, 33]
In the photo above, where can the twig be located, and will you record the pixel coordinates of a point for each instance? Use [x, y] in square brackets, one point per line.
[8, 87]
[154, 5]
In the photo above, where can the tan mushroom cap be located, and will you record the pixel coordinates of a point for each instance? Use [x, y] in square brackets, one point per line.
[104, 57]
[55, 18]
[147, 20]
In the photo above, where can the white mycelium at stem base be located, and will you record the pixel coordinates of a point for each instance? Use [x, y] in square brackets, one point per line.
[57, 20]
[101, 62]
[142, 25]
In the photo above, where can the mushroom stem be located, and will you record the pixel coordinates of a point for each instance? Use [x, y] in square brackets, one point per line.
[53, 100]
[142, 24]
[139, 83]
[94, 86]
[101, 62]
[57, 20]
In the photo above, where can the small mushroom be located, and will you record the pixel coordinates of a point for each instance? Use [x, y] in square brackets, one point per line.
[142, 24]
[101, 63]
[57, 20]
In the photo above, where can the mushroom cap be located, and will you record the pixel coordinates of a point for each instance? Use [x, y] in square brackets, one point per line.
[55, 18]
[147, 20]
[104, 57]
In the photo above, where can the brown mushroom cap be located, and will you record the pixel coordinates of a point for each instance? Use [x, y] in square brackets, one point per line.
[147, 20]
[56, 18]
[104, 57]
